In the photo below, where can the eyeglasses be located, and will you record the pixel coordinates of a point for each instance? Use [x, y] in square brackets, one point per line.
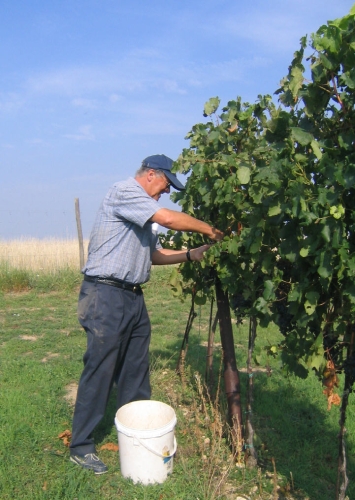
[161, 174]
[168, 184]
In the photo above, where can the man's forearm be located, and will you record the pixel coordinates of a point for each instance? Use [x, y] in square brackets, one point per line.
[165, 256]
[179, 221]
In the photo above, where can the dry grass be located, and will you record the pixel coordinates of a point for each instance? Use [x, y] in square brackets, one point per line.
[48, 255]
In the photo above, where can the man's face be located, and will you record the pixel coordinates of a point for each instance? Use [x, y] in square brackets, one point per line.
[159, 185]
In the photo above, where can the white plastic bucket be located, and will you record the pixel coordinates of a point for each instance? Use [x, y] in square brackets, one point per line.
[146, 440]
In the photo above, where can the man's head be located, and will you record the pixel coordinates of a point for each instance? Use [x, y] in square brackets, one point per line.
[163, 164]
[157, 175]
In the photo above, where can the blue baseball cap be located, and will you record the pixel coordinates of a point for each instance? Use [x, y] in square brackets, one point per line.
[163, 163]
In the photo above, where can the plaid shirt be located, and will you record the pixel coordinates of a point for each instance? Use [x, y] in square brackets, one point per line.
[122, 240]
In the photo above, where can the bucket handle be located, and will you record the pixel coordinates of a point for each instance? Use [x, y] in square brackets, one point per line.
[158, 453]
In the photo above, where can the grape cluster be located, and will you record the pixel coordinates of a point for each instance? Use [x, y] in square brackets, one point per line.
[283, 319]
[286, 267]
[349, 369]
[240, 305]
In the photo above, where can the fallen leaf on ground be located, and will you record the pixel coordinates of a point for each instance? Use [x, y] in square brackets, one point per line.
[65, 437]
[109, 447]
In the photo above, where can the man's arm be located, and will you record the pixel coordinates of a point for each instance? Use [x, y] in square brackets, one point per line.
[179, 221]
[165, 256]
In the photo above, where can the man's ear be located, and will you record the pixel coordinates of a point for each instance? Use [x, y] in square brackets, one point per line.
[150, 174]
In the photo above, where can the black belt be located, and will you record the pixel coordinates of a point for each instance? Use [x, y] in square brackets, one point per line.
[114, 282]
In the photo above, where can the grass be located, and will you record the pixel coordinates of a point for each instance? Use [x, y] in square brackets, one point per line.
[41, 348]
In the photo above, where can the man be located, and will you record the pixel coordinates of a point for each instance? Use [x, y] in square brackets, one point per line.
[111, 306]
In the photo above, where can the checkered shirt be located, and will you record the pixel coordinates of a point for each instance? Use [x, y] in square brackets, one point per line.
[123, 239]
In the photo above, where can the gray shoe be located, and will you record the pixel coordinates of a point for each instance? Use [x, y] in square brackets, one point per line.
[89, 461]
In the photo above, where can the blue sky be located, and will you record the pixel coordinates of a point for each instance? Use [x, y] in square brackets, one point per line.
[88, 88]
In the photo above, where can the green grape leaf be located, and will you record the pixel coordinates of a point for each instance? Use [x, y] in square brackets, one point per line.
[316, 149]
[243, 174]
[275, 210]
[301, 136]
[211, 106]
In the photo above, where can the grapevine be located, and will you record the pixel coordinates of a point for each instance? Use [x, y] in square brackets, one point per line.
[279, 180]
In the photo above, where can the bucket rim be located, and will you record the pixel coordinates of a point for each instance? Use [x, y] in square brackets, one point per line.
[146, 433]
[145, 401]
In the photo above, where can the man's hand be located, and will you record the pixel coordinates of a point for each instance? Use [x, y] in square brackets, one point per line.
[198, 253]
[217, 235]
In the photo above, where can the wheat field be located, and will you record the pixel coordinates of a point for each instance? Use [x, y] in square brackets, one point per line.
[49, 255]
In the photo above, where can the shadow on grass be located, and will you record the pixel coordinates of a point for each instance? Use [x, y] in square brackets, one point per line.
[291, 425]
[293, 431]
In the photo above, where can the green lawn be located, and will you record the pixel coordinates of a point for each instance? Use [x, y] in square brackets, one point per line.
[41, 348]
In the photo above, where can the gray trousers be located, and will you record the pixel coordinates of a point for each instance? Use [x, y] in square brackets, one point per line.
[118, 336]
